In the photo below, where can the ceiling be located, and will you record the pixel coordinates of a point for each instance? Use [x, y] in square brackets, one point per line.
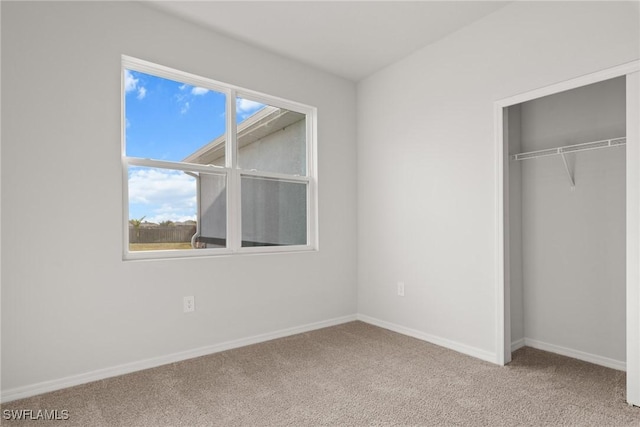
[352, 39]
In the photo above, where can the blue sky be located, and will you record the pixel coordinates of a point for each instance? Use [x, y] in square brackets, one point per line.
[169, 120]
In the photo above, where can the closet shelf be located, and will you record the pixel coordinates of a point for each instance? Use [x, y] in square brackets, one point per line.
[606, 143]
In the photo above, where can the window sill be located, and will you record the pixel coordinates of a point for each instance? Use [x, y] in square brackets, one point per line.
[213, 253]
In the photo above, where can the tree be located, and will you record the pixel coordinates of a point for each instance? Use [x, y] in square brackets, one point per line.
[167, 223]
[136, 224]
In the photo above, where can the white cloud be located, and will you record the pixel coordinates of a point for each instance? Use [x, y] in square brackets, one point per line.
[162, 195]
[132, 84]
[187, 94]
[199, 91]
[245, 107]
[169, 215]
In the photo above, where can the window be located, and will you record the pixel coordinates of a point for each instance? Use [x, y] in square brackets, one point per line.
[210, 168]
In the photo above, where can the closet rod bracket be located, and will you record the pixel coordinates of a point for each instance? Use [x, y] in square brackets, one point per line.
[569, 174]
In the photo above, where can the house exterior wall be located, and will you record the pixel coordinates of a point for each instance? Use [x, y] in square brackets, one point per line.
[283, 151]
[272, 213]
[212, 212]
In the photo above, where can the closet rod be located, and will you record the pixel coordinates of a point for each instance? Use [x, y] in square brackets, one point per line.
[606, 143]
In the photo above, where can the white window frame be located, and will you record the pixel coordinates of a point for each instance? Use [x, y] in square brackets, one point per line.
[231, 171]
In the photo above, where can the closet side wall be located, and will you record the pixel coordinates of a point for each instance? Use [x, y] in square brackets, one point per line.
[515, 228]
[574, 240]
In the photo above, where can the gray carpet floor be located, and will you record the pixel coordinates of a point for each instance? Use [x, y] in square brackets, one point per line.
[352, 374]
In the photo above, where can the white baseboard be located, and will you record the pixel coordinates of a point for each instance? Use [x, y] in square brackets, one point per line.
[443, 342]
[517, 344]
[47, 386]
[576, 354]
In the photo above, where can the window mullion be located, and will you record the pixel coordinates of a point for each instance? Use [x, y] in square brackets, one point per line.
[181, 166]
[234, 222]
[277, 176]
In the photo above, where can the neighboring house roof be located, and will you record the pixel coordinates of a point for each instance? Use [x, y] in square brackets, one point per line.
[262, 123]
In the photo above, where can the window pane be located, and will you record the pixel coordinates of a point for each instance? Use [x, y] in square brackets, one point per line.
[213, 212]
[274, 213]
[163, 209]
[174, 121]
[271, 139]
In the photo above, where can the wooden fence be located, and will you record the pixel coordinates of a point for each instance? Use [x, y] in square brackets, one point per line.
[177, 233]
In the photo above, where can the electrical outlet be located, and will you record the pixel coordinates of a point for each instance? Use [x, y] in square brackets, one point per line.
[189, 304]
[400, 289]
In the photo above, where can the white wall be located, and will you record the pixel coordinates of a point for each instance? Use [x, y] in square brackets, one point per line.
[426, 159]
[514, 230]
[70, 305]
[573, 241]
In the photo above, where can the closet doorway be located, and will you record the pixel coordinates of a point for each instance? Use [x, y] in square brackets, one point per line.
[568, 221]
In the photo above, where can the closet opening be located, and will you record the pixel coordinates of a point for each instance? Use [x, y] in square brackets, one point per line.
[569, 211]
[567, 223]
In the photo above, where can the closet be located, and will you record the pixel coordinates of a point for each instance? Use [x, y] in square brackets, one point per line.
[566, 222]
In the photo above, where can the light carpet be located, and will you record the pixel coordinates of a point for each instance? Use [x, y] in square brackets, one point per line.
[352, 374]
